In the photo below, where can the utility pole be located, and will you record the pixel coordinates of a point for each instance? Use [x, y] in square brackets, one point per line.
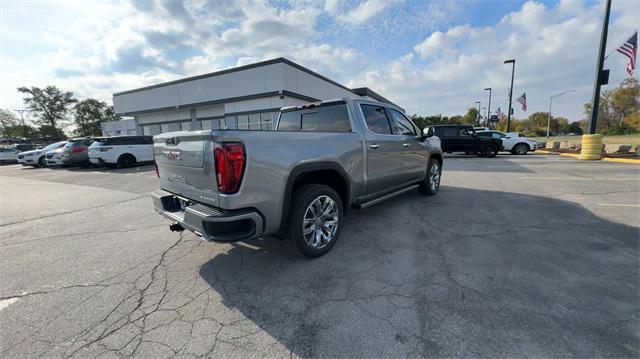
[602, 76]
[550, 102]
[478, 115]
[489, 106]
[513, 70]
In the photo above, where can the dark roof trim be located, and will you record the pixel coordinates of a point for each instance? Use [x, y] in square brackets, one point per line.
[365, 91]
[236, 69]
[225, 100]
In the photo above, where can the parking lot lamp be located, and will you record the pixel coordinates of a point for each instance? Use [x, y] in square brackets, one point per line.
[488, 106]
[550, 102]
[513, 70]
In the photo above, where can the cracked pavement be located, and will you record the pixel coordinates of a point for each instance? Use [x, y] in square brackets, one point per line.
[511, 259]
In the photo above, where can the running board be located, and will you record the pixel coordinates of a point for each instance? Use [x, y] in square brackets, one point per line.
[385, 197]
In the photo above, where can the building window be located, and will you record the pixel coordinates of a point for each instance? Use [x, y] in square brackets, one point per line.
[185, 126]
[150, 130]
[243, 122]
[266, 121]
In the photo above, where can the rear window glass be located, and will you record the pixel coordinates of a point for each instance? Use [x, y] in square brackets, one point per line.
[325, 118]
[376, 118]
[134, 140]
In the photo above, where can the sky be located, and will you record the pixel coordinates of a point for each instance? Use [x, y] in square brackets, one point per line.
[429, 57]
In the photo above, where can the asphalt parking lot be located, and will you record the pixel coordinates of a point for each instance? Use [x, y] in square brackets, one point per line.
[533, 256]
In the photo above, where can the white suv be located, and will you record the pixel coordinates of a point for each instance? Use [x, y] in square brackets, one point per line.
[123, 151]
[512, 142]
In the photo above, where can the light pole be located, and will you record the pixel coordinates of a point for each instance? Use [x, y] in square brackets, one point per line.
[489, 106]
[550, 102]
[602, 76]
[513, 70]
[478, 115]
[484, 110]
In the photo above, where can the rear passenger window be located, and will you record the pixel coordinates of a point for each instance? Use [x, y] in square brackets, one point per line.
[376, 119]
[450, 132]
[401, 125]
[324, 118]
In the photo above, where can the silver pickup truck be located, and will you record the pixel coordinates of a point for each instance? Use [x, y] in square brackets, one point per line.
[298, 181]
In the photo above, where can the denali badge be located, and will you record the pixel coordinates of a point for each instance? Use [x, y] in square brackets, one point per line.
[172, 155]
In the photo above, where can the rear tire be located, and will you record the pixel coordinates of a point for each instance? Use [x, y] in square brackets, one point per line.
[126, 161]
[520, 149]
[431, 183]
[316, 220]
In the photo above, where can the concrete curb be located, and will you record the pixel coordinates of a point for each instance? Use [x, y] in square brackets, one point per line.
[608, 159]
[622, 160]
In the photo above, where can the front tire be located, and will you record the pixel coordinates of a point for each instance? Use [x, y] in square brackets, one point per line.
[316, 220]
[431, 183]
[42, 162]
[520, 149]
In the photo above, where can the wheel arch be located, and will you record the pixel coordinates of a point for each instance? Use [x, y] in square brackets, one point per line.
[328, 173]
[127, 154]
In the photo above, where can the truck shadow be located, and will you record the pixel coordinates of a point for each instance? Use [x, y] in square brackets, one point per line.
[464, 273]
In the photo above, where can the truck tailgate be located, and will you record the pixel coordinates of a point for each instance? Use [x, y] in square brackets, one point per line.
[186, 165]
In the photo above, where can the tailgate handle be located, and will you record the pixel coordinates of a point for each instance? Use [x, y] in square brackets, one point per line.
[374, 146]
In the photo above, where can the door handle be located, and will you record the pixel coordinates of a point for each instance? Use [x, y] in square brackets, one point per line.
[405, 145]
[374, 146]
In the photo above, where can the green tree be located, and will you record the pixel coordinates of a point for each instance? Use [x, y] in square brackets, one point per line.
[7, 119]
[616, 106]
[471, 117]
[90, 114]
[574, 127]
[49, 105]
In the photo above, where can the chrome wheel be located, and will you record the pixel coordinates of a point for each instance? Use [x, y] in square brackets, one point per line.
[521, 149]
[434, 180]
[320, 222]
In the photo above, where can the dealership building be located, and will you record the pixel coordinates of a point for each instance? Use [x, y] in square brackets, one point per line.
[245, 97]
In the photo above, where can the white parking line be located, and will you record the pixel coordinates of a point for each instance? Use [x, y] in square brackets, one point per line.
[618, 205]
[580, 178]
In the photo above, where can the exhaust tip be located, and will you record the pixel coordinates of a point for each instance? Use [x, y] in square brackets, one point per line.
[176, 227]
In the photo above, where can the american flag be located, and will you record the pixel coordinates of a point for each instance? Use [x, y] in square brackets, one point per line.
[629, 49]
[523, 101]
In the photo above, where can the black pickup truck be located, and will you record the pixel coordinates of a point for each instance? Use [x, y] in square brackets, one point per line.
[463, 138]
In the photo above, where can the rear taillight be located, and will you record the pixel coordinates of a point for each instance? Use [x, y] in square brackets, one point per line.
[230, 160]
[104, 149]
[155, 164]
[78, 149]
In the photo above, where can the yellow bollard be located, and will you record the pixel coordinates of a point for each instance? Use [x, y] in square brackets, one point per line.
[591, 147]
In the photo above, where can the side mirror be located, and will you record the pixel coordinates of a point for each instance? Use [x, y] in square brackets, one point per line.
[428, 132]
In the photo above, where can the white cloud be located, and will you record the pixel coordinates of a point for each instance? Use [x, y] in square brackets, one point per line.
[555, 49]
[361, 13]
[97, 48]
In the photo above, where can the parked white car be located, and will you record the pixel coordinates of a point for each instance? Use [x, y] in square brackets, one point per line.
[123, 151]
[512, 141]
[37, 158]
[8, 154]
[54, 158]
